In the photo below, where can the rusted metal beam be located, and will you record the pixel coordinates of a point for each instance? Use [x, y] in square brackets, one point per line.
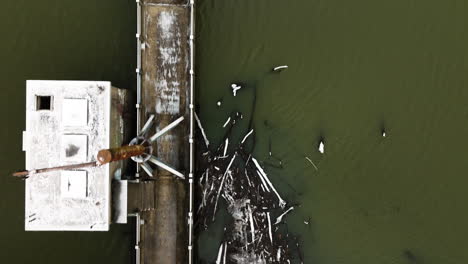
[103, 157]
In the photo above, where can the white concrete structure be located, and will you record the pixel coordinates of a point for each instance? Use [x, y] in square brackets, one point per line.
[67, 122]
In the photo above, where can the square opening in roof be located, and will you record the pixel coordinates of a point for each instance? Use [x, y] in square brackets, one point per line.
[43, 102]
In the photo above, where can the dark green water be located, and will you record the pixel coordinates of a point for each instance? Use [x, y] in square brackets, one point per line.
[356, 67]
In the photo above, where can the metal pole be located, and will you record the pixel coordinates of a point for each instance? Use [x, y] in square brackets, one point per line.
[191, 137]
[138, 74]
[137, 240]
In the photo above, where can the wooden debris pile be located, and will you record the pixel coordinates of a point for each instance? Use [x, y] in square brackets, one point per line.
[229, 173]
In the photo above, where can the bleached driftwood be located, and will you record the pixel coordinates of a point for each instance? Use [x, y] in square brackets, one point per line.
[280, 218]
[311, 162]
[280, 68]
[262, 173]
[227, 122]
[246, 136]
[222, 183]
[252, 227]
[226, 147]
[235, 88]
[220, 254]
[225, 251]
[207, 143]
[269, 228]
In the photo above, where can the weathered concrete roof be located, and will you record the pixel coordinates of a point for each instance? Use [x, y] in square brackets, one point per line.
[67, 122]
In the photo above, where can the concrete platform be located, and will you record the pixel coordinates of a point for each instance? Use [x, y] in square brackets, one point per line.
[164, 92]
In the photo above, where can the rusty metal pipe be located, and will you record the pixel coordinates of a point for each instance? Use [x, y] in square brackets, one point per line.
[109, 155]
[104, 156]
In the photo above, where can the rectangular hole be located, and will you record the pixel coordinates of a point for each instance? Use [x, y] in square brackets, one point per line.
[43, 102]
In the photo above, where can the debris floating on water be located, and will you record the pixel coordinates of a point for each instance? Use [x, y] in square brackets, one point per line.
[207, 143]
[220, 254]
[321, 147]
[246, 136]
[280, 218]
[226, 175]
[280, 68]
[235, 87]
[227, 122]
[311, 162]
[218, 103]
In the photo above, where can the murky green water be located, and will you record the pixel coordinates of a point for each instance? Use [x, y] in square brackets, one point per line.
[53, 39]
[356, 67]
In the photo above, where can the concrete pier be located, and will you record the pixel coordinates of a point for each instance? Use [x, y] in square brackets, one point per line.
[164, 82]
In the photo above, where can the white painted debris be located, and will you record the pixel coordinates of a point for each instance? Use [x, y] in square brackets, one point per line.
[264, 184]
[252, 227]
[280, 68]
[321, 147]
[280, 218]
[225, 251]
[207, 143]
[226, 144]
[278, 254]
[269, 227]
[246, 136]
[311, 162]
[262, 173]
[220, 254]
[222, 183]
[227, 122]
[235, 88]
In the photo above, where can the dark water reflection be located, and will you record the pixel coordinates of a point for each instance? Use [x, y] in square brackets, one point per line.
[356, 69]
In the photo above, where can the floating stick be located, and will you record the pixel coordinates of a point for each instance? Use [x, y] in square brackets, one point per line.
[252, 227]
[220, 254]
[246, 136]
[226, 147]
[207, 143]
[227, 122]
[264, 184]
[269, 227]
[222, 183]
[280, 218]
[311, 162]
[280, 68]
[225, 251]
[282, 203]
